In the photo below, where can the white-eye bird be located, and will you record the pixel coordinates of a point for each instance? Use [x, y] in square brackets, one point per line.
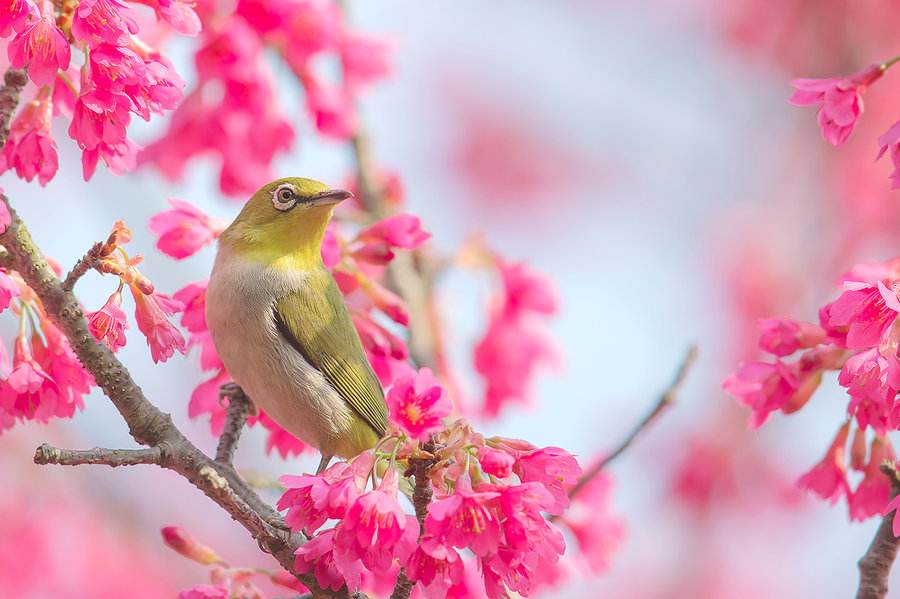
[280, 325]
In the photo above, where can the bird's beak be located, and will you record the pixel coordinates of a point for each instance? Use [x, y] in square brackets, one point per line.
[327, 198]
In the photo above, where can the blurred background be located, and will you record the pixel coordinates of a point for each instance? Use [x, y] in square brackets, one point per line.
[641, 154]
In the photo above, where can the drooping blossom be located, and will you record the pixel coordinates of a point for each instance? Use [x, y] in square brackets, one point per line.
[375, 530]
[8, 289]
[872, 381]
[151, 312]
[873, 492]
[42, 47]
[177, 13]
[99, 21]
[399, 231]
[764, 387]
[30, 148]
[56, 357]
[28, 392]
[317, 556]
[828, 478]
[840, 101]
[597, 532]
[866, 309]
[782, 337]
[15, 16]
[496, 462]
[555, 469]
[889, 142]
[516, 344]
[187, 545]
[435, 569]
[204, 591]
[418, 404]
[108, 324]
[184, 229]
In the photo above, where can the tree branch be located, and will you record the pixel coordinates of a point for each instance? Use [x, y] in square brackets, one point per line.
[147, 424]
[875, 565]
[421, 497]
[665, 400]
[13, 82]
[238, 408]
[84, 264]
[45, 454]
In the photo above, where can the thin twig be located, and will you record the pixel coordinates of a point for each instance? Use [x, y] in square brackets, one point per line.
[238, 408]
[84, 264]
[875, 565]
[665, 400]
[13, 82]
[47, 454]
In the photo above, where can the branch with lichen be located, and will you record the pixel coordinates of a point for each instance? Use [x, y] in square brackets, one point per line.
[875, 565]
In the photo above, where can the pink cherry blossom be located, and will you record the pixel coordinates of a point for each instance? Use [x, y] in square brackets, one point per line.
[30, 148]
[466, 518]
[388, 302]
[764, 387]
[108, 324]
[317, 556]
[552, 467]
[28, 392]
[526, 289]
[14, 16]
[187, 545]
[281, 441]
[871, 496]
[398, 231]
[204, 591]
[495, 462]
[782, 337]
[43, 48]
[867, 310]
[375, 529]
[205, 400]
[377, 339]
[330, 108]
[597, 532]
[150, 312]
[177, 13]
[98, 21]
[435, 569]
[828, 478]
[56, 357]
[418, 405]
[184, 229]
[8, 289]
[839, 100]
[890, 142]
[872, 381]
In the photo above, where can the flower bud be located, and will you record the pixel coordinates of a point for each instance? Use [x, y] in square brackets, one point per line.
[184, 543]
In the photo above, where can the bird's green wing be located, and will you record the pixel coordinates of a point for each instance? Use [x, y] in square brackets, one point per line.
[315, 321]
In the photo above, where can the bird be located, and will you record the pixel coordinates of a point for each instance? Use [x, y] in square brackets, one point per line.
[280, 325]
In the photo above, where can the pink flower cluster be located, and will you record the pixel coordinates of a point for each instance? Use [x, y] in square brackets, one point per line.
[517, 343]
[120, 75]
[859, 335]
[233, 113]
[491, 500]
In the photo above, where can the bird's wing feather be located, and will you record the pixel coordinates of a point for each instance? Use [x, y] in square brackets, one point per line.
[326, 338]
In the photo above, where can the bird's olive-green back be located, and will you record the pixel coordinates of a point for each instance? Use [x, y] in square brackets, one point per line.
[316, 322]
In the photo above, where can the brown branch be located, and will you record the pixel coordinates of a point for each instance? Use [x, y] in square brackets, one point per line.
[45, 454]
[238, 408]
[147, 424]
[13, 82]
[421, 497]
[665, 400]
[90, 259]
[875, 565]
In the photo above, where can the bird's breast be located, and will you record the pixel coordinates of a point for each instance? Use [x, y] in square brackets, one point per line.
[240, 303]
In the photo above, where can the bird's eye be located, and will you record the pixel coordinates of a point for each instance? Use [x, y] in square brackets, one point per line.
[284, 198]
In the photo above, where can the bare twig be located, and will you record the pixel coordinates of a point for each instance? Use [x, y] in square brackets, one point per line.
[147, 424]
[84, 264]
[238, 408]
[13, 82]
[664, 401]
[875, 565]
[46, 454]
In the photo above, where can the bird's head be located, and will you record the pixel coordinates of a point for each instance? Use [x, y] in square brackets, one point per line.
[284, 221]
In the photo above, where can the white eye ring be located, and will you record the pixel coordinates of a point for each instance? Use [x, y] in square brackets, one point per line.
[284, 197]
